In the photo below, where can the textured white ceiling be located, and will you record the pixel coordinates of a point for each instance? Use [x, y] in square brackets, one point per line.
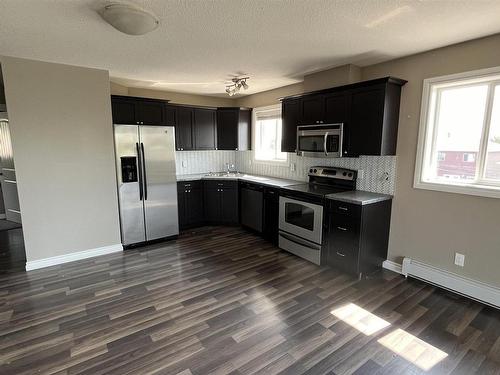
[200, 45]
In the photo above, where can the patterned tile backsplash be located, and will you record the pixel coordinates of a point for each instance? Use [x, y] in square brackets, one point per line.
[379, 172]
[189, 162]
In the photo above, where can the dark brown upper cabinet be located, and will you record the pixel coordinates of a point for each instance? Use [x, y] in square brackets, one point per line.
[369, 111]
[184, 134]
[233, 128]
[204, 128]
[290, 117]
[337, 111]
[366, 125]
[312, 109]
[139, 111]
[170, 115]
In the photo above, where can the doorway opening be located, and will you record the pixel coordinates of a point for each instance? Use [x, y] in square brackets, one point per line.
[12, 252]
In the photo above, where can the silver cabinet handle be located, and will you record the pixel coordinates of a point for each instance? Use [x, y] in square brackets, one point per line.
[342, 208]
[342, 228]
[324, 144]
[342, 255]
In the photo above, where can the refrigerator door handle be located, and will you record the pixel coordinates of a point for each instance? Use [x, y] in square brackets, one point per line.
[139, 167]
[144, 173]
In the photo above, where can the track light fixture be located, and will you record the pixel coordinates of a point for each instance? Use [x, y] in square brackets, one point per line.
[237, 84]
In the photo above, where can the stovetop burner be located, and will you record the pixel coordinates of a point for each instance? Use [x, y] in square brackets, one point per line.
[326, 180]
[316, 189]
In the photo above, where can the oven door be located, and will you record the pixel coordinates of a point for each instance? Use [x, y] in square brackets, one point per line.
[302, 219]
[323, 142]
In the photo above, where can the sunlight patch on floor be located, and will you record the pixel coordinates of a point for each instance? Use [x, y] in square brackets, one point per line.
[361, 319]
[413, 349]
[409, 347]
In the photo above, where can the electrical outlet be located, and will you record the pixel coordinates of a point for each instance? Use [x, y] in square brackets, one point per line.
[184, 164]
[292, 167]
[459, 259]
[361, 174]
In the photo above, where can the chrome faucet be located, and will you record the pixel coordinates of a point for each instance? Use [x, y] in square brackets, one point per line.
[230, 168]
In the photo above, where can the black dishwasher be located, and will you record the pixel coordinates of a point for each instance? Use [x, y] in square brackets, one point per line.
[251, 205]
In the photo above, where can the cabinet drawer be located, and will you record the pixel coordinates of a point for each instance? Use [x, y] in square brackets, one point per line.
[344, 259]
[250, 185]
[221, 184]
[189, 185]
[348, 209]
[343, 242]
[272, 193]
[344, 225]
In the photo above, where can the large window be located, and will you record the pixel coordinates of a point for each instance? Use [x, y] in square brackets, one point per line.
[459, 139]
[267, 135]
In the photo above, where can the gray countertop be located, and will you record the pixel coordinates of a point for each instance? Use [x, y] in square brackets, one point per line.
[356, 196]
[264, 180]
[359, 197]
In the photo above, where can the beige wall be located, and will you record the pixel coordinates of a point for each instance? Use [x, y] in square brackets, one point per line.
[426, 225]
[270, 97]
[117, 89]
[173, 97]
[341, 75]
[337, 76]
[63, 148]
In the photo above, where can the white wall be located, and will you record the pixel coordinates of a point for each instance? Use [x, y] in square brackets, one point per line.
[62, 139]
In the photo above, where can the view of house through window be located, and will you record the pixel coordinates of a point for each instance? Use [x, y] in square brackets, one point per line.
[268, 134]
[462, 133]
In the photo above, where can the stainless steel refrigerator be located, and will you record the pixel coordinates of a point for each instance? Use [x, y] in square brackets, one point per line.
[147, 186]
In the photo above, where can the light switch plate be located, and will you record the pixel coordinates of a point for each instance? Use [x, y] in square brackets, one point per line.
[361, 174]
[292, 167]
[184, 164]
[459, 259]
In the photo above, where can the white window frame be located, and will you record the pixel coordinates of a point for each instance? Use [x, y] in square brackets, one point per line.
[275, 107]
[481, 187]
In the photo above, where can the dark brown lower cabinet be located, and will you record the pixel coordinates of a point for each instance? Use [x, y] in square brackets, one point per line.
[271, 214]
[190, 204]
[357, 236]
[221, 202]
[251, 206]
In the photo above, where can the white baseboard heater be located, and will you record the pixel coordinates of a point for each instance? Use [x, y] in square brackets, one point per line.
[474, 289]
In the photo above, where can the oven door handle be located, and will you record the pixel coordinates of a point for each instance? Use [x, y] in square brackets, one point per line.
[300, 241]
[324, 144]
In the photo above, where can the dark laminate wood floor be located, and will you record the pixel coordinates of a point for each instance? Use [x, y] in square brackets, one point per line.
[223, 301]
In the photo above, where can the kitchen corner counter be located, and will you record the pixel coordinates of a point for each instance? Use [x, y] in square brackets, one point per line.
[359, 197]
[190, 177]
[263, 180]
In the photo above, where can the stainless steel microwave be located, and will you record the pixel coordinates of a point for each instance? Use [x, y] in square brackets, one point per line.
[323, 140]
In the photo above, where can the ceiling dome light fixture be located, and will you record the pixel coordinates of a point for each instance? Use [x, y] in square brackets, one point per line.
[129, 19]
[237, 84]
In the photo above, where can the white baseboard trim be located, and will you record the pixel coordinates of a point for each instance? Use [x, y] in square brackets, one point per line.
[474, 289]
[3, 216]
[392, 266]
[53, 261]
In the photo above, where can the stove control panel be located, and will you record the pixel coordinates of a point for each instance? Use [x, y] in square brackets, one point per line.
[333, 172]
